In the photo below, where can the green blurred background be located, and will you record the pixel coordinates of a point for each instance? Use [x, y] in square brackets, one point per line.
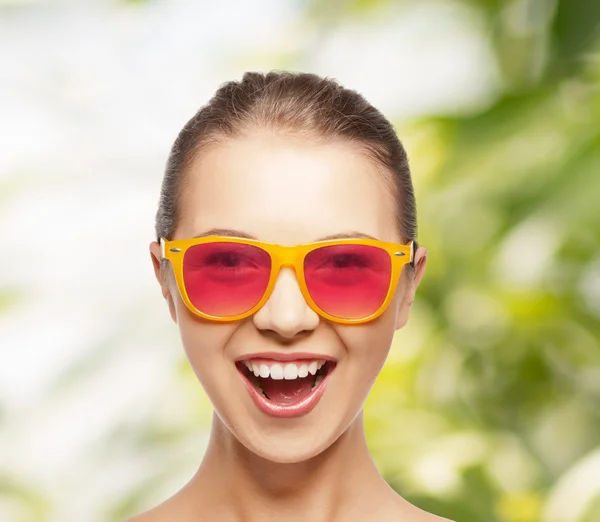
[488, 408]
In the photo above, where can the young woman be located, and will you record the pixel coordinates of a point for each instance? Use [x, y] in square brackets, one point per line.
[286, 251]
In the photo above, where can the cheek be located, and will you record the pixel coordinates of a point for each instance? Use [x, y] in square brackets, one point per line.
[368, 345]
[203, 342]
[199, 337]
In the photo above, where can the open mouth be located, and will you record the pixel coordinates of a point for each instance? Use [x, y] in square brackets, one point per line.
[286, 389]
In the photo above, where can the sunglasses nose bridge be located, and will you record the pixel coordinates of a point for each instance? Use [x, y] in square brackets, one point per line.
[288, 256]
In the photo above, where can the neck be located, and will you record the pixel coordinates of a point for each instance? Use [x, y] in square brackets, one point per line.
[241, 485]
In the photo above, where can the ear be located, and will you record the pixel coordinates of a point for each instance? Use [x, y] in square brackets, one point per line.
[411, 283]
[162, 277]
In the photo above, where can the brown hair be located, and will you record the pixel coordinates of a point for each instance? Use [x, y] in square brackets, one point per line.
[293, 103]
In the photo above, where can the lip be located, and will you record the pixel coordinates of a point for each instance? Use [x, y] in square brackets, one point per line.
[291, 410]
[285, 357]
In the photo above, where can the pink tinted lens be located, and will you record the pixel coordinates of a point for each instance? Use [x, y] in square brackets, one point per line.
[225, 279]
[348, 281]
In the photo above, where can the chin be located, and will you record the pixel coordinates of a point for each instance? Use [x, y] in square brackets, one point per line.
[292, 448]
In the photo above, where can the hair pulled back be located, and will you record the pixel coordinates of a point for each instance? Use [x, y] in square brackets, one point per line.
[289, 103]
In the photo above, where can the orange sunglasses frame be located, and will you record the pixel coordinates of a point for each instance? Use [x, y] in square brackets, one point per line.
[290, 256]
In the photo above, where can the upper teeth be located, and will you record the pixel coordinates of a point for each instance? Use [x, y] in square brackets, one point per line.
[281, 371]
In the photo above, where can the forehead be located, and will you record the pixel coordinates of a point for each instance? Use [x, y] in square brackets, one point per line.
[286, 191]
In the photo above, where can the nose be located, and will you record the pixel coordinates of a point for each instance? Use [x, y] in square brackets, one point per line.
[286, 311]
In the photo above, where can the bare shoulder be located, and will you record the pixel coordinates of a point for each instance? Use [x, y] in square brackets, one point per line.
[148, 516]
[418, 515]
[424, 516]
[405, 510]
[435, 518]
[144, 517]
[169, 510]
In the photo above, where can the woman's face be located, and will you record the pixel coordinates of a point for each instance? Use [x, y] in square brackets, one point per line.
[289, 192]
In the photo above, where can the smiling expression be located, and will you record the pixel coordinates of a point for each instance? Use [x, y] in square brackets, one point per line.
[289, 192]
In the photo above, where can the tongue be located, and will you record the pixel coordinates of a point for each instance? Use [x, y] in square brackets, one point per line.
[287, 391]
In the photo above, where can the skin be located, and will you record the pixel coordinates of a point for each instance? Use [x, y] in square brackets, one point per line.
[316, 467]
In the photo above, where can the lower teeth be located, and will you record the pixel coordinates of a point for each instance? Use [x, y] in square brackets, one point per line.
[317, 382]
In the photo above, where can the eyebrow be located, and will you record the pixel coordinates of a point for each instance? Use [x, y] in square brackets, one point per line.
[228, 232]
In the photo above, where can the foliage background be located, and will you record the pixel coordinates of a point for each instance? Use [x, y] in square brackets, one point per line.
[489, 406]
